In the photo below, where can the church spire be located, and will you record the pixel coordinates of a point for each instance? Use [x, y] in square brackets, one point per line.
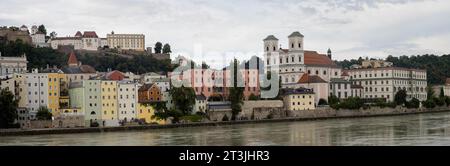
[329, 53]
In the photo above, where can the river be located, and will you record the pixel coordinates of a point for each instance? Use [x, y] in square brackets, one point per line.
[420, 129]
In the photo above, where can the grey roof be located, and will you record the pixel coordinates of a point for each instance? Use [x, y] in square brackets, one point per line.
[270, 37]
[200, 97]
[72, 70]
[161, 80]
[296, 34]
[298, 91]
[338, 80]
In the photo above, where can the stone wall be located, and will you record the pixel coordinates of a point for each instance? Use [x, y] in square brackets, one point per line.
[261, 109]
[218, 115]
[38, 124]
[69, 121]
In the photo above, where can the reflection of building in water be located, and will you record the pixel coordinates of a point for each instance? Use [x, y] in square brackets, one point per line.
[352, 132]
[309, 134]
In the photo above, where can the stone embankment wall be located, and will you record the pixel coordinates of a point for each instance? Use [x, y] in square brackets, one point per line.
[319, 114]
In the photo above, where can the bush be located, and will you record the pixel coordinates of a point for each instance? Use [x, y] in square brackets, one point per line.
[95, 124]
[414, 103]
[429, 104]
[225, 118]
[447, 100]
[439, 101]
[323, 102]
[192, 118]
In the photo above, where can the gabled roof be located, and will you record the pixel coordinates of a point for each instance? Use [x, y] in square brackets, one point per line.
[296, 34]
[315, 59]
[145, 87]
[90, 34]
[307, 79]
[115, 75]
[270, 37]
[78, 34]
[23, 26]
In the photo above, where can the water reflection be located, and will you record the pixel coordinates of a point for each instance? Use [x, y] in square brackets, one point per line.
[424, 129]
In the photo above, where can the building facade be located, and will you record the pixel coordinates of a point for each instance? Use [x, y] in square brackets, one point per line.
[385, 82]
[126, 41]
[11, 65]
[299, 99]
[127, 99]
[88, 40]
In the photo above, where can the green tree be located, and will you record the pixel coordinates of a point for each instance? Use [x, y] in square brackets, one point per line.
[429, 104]
[236, 91]
[441, 94]
[439, 101]
[351, 103]
[253, 97]
[447, 100]
[166, 49]
[42, 29]
[414, 103]
[158, 47]
[333, 99]
[430, 93]
[43, 114]
[400, 97]
[183, 98]
[8, 108]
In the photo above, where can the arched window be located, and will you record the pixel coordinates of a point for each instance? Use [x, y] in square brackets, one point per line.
[293, 59]
[292, 45]
[274, 48]
[299, 45]
[300, 58]
[267, 48]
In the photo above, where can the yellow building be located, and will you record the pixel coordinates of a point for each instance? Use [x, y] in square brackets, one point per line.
[145, 112]
[109, 103]
[56, 91]
[299, 99]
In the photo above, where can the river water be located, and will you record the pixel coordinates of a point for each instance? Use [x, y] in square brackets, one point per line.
[422, 129]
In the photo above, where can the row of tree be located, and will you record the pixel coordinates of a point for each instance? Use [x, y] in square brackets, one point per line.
[159, 48]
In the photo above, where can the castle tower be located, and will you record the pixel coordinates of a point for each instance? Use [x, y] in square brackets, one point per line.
[34, 29]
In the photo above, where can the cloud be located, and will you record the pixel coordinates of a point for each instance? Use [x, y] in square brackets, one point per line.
[351, 28]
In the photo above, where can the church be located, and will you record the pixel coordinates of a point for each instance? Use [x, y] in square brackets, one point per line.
[293, 63]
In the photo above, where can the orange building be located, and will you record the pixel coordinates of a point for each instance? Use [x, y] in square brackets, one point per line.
[149, 93]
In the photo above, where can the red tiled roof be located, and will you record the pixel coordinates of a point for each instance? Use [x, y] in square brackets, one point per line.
[66, 38]
[72, 59]
[115, 75]
[314, 58]
[78, 34]
[344, 73]
[306, 79]
[90, 34]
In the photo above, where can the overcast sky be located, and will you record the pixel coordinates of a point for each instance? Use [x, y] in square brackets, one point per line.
[351, 28]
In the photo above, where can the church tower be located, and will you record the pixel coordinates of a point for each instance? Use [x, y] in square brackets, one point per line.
[270, 51]
[329, 53]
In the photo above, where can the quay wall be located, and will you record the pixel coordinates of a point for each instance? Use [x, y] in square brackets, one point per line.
[318, 114]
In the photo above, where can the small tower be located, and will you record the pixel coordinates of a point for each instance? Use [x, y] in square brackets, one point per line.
[329, 53]
[295, 41]
[24, 28]
[270, 44]
[72, 62]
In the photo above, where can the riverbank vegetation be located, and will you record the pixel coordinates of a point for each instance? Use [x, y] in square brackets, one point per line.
[8, 109]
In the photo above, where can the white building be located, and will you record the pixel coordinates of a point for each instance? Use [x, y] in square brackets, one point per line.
[200, 104]
[127, 99]
[385, 82]
[89, 40]
[126, 41]
[37, 88]
[294, 62]
[11, 65]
